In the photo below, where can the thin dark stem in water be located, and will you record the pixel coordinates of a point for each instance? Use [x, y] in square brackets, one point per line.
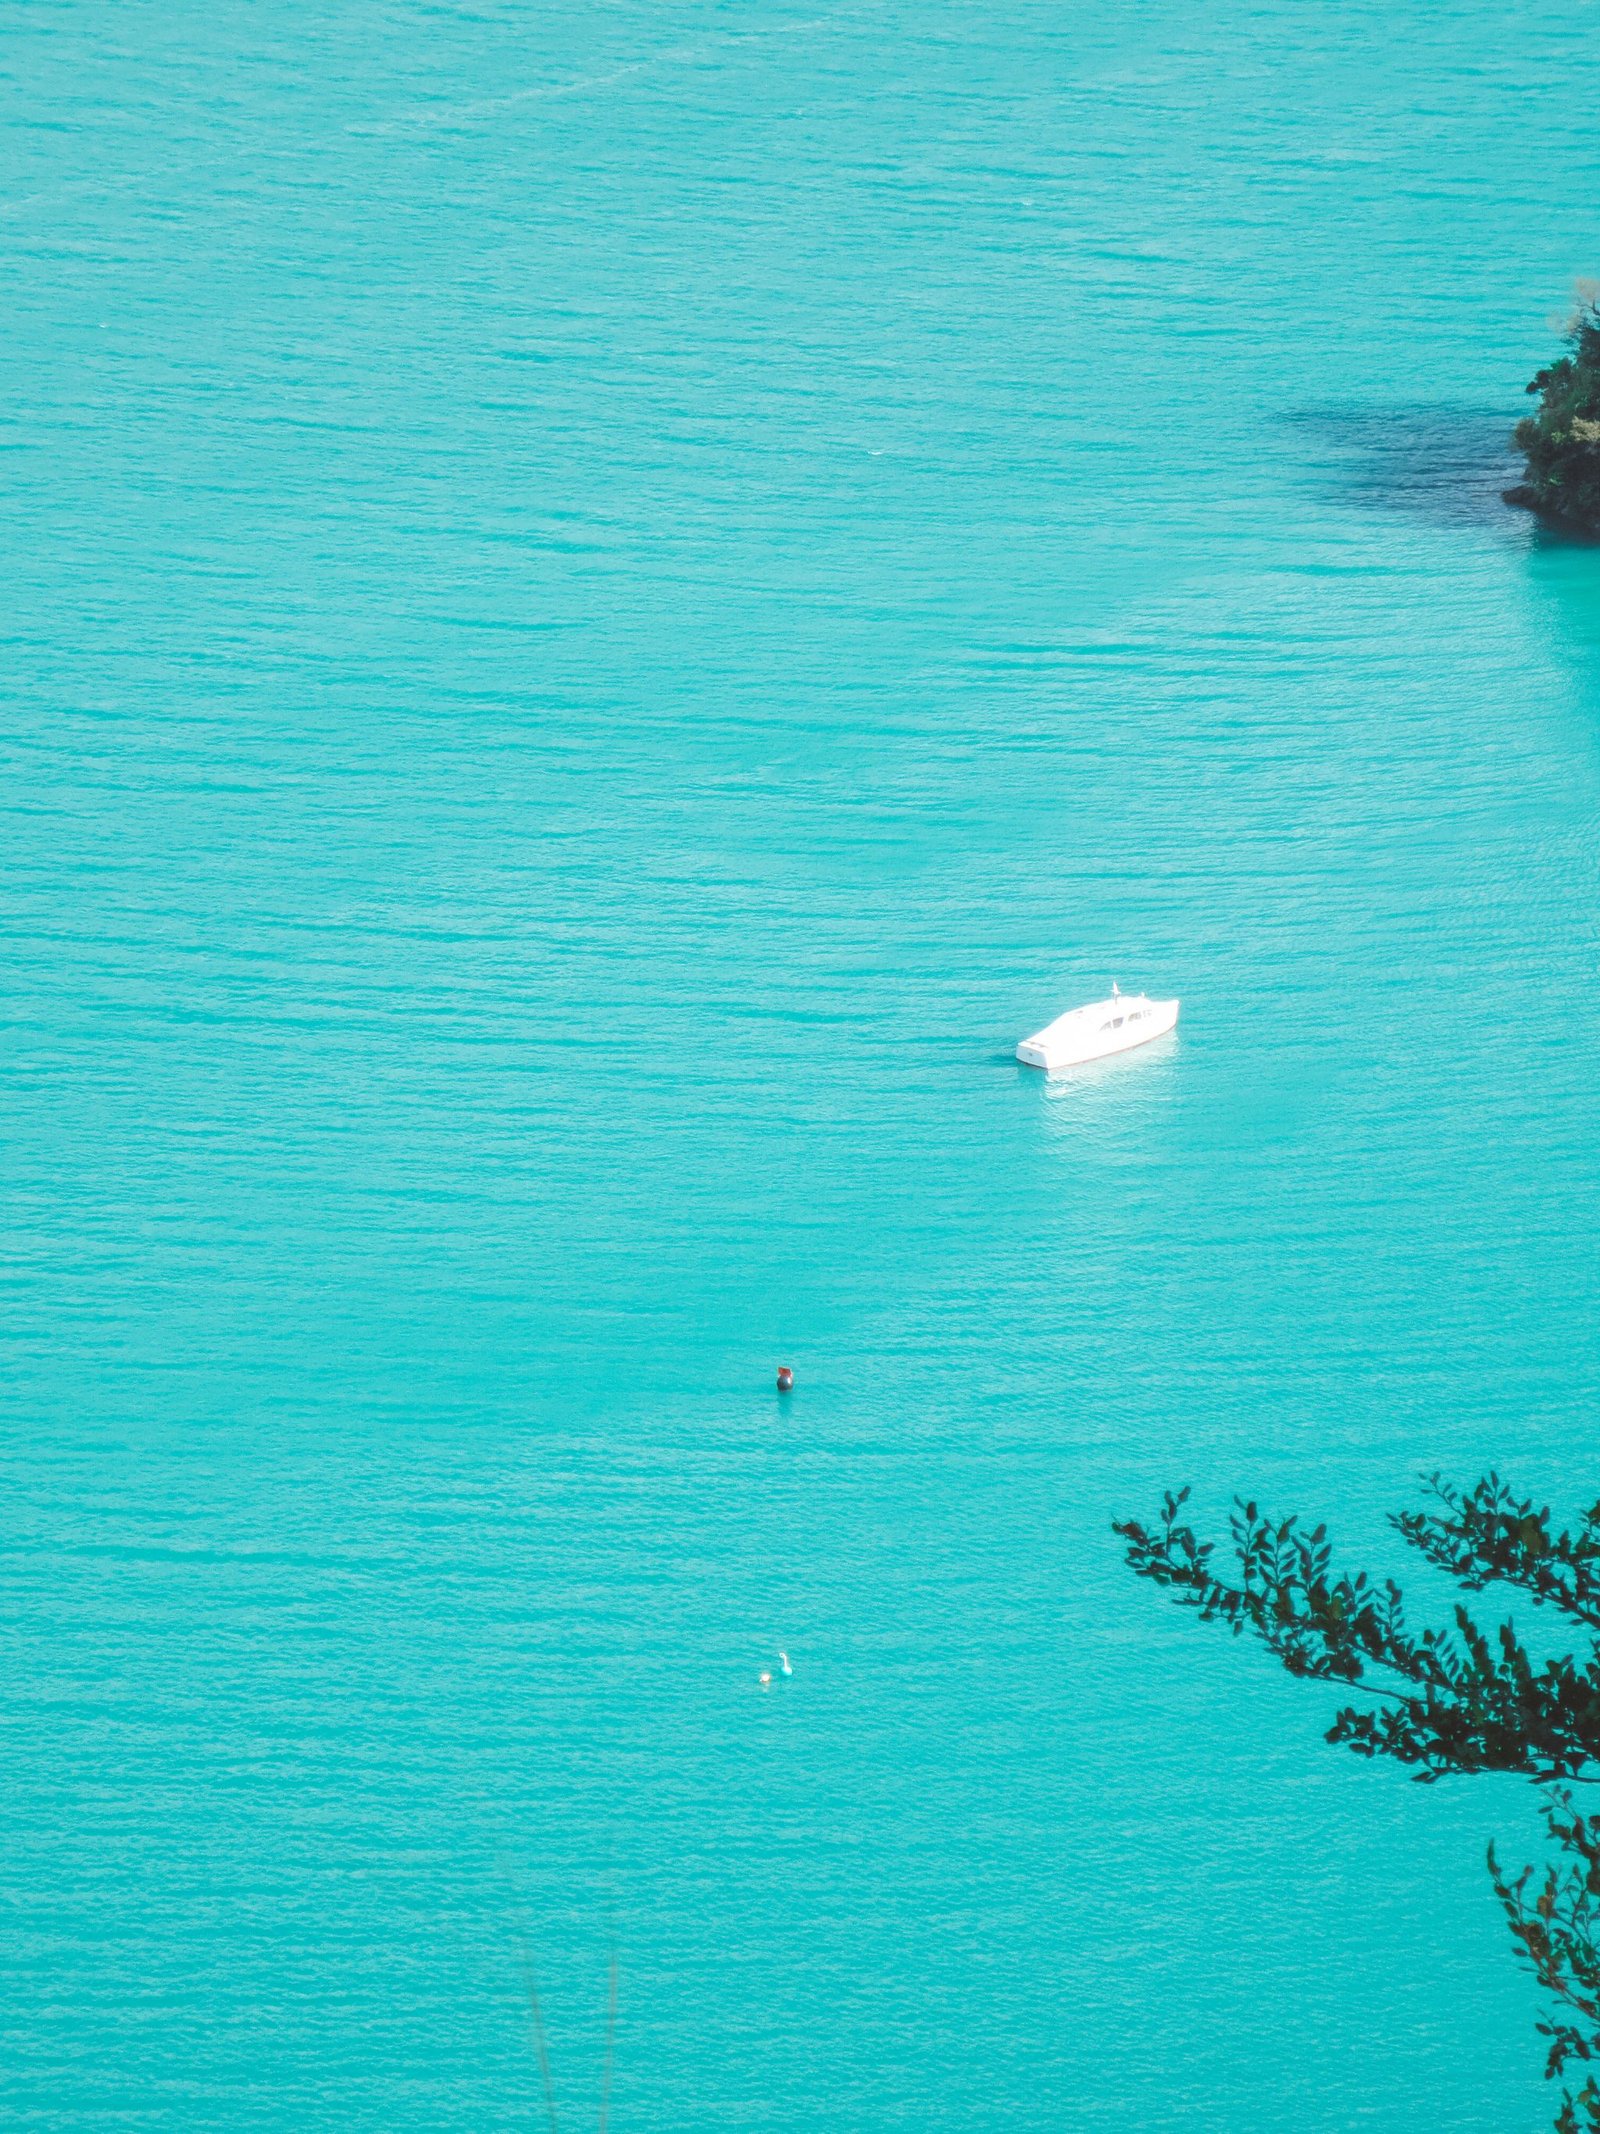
[611, 2039]
[538, 2031]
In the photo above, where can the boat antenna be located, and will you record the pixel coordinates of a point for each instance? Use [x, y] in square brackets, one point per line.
[1116, 990]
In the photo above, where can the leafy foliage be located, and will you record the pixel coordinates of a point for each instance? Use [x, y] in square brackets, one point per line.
[1562, 441]
[1555, 1931]
[1452, 1700]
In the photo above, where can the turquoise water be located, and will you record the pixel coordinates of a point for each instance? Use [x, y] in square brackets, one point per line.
[603, 608]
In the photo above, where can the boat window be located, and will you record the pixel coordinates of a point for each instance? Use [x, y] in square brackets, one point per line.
[1117, 1025]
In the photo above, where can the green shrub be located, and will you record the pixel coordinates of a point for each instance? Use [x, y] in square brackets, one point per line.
[1562, 441]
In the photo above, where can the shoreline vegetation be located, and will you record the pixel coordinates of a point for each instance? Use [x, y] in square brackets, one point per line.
[1561, 442]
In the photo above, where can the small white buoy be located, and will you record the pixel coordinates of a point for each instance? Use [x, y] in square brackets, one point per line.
[766, 1679]
[783, 1659]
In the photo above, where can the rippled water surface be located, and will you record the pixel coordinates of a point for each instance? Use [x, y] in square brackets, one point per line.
[603, 605]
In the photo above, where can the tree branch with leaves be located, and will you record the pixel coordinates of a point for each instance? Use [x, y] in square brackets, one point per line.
[1454, 1700]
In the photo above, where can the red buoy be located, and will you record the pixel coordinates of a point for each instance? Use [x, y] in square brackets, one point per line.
[785, 1378]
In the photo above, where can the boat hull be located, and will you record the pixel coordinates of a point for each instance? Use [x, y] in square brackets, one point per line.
[1097, 1033]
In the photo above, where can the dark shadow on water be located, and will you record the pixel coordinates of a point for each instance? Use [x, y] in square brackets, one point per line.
[1444, 464]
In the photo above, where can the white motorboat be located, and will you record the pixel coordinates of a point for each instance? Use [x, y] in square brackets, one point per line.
[1094, 1032]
